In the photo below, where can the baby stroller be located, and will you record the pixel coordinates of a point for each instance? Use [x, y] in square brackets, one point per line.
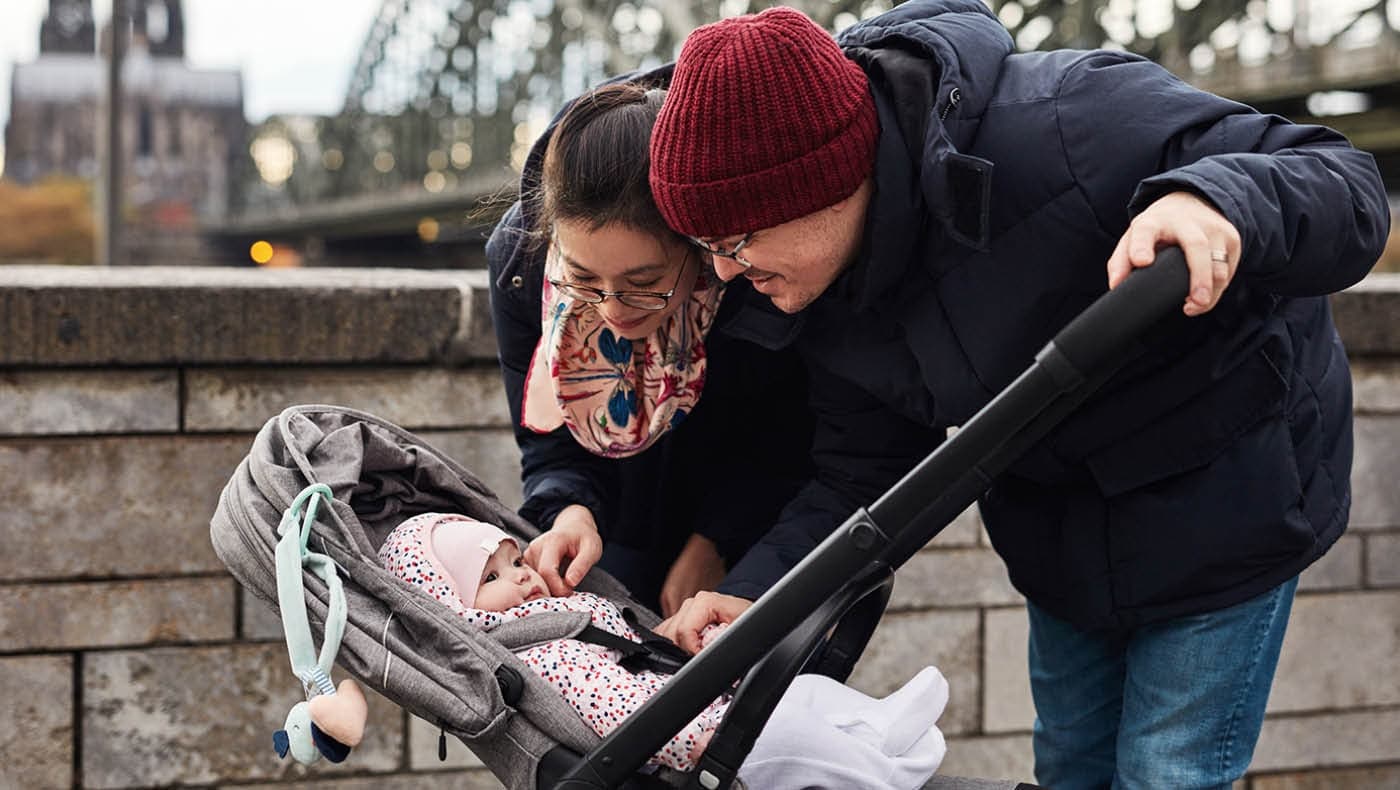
[818, 618]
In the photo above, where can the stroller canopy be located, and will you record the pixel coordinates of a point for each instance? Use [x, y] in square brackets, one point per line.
[397, 640]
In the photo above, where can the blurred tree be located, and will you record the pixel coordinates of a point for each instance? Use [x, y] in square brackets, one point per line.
[49, 222]
[446, 90]
[1157, 30]
[1168, 31]
[447, 93]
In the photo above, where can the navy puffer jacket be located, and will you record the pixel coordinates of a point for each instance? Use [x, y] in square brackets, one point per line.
[1216, 464]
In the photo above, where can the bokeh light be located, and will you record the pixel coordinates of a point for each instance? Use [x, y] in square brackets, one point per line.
[261, 253]
[428, 229]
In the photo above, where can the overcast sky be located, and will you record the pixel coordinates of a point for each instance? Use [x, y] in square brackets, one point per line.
[296, 55]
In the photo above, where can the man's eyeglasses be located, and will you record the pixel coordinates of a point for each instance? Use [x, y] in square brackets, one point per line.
[641, 300]
[733, 255]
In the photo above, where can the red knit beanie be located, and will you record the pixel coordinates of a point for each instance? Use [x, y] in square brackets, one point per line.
[766, 121]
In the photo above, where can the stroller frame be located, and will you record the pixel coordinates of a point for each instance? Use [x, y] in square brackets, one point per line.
[817, 618]
[854, 566]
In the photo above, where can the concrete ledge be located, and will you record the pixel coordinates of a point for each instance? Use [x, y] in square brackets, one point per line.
[1328, 740]
[1344, 779]
[243, 399]
[50, 402]
[965, 530]
[68, 315]
[1006, 702]
[950, 578]
[489, 454]
[63, 315]
[990, 757]
[1374, 495]
[1383, 560]
[904, 643]
[203, 715]
[1368, 315]
[1377, 384]
[66, 616]
[1330, 637]
[112, 507]
[36, 722]
[259, 622]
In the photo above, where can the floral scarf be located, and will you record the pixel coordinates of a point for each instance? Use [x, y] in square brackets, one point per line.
[617, 396]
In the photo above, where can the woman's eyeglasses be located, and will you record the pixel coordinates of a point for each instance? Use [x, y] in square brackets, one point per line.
[641, 300]
[733, 255]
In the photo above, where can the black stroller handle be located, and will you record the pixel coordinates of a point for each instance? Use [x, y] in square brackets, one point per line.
[1145, 298]
[1070, 367]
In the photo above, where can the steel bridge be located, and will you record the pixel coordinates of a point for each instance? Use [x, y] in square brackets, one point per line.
[447, 95]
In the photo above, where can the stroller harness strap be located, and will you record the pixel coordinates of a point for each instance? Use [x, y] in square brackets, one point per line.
[654, 652]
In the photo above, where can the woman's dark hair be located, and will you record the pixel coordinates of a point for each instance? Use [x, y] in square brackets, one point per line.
[595, 168]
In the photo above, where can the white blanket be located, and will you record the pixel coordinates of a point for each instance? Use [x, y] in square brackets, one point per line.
[824, 734]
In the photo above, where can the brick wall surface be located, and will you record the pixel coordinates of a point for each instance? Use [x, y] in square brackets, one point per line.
[129, 658]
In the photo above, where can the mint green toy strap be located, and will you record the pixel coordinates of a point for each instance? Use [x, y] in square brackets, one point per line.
[292, 556]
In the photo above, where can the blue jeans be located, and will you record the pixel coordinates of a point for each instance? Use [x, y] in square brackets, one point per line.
[1176, 704]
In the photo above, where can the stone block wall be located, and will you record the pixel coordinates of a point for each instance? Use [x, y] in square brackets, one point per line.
[129, 658]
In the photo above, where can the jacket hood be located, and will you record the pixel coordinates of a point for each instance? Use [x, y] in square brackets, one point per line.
[933, 67]
[962, 38]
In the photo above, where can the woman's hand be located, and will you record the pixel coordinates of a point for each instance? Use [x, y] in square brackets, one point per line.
[565, 553]
[1211, 244]
[699, 568]
[704, 609]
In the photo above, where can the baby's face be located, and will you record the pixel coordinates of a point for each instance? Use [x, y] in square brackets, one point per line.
[507, 581]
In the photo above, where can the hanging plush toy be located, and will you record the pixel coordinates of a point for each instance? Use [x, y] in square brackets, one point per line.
[327, 724]
[331, 721]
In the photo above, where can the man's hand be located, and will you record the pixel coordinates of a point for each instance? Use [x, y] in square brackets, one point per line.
[565, 553]
[704, 609]
[1211, 244]
[699, 568]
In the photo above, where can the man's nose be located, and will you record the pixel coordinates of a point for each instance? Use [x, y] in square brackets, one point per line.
[727, 268]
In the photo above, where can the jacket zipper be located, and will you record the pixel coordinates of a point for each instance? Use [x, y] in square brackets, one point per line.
[954, 96]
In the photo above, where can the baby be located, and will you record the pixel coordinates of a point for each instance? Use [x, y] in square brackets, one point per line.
[821, 734]
[456, 559]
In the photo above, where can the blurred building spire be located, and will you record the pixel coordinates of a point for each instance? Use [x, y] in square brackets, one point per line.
[156, 28]
[162, 25]
[68, 28]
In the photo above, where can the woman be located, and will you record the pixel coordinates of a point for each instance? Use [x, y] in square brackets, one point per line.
[610, 326]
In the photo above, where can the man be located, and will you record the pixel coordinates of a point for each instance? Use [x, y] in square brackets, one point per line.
[929, 208]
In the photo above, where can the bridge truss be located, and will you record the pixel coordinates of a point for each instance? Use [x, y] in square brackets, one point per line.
[447, 95]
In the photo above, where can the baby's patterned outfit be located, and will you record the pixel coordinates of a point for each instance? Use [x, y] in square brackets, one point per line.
[593, 681]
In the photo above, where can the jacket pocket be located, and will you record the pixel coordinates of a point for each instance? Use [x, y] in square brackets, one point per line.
[1214, 528]
[1194, 434]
